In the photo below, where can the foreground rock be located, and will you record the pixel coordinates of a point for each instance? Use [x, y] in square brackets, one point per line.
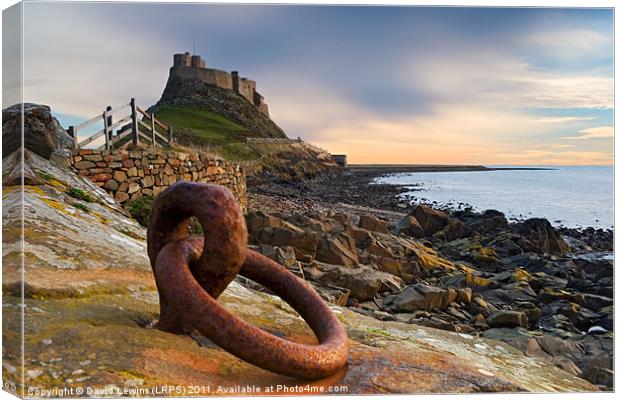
[45, 135]
[463, 272]
[89, 315]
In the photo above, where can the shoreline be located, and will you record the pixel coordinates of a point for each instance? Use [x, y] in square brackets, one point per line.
[353, 191]
[399, 168]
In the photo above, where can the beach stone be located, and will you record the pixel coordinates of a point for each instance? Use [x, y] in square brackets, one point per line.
[542, 236]
[339, 250]
[455, 229]
[465, 295]
[373, 224]
[409, 226]
[419, 297]
[508, 319]
[430, 220]
[363, 282]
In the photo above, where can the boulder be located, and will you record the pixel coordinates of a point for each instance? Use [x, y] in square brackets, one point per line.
[283, 255]
[332, 294]
[507, 319]
[409, 226]
[270, 230]
[595, 302]
[542, 237]
[373, 224]
[430, 220]
[42, 133]
[465, 295]
[421, 297]
[363, 282]
[455, 229]
[487, 222]
[339, 250]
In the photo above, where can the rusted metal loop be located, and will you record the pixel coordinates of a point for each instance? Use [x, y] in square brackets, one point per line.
[223, 224]
[191, 272]
[252, 344]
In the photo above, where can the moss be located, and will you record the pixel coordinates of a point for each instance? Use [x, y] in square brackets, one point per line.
[140, 209]
[46, 176]
[379, 331]
[79, 194]
[81, 207]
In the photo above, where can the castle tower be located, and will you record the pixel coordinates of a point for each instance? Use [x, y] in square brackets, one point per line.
[193, 67]
[181, 60]
[235, 81]
[197, 62]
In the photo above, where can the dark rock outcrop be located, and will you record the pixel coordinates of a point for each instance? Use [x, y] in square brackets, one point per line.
[542, 236]
[43, 134]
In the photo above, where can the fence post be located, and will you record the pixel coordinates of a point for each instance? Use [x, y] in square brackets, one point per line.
[170, 134]
[105, 129]
[72, 132]
[134, 122]
[153, 130]
[109, 112]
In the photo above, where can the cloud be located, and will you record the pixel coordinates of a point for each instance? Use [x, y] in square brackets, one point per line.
[559, 120]
[494, 78]
[548, 157]
[598, 132]
[569, 43]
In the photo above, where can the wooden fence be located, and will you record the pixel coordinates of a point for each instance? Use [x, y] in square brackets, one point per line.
[129, 126]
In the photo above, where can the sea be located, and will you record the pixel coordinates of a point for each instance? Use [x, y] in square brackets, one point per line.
[573, 197]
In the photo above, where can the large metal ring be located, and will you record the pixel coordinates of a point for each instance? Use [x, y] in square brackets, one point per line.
[191, 272]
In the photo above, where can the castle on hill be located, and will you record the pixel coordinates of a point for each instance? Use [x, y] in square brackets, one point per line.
[189, 66]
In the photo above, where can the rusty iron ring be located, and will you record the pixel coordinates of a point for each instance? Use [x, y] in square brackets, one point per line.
[225, 237]
[185, 283]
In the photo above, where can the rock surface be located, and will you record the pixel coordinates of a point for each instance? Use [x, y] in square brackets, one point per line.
[90, 302]
[465, 271]
[44, 135]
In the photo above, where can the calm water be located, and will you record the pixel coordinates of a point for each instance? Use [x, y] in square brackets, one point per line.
[568, 196]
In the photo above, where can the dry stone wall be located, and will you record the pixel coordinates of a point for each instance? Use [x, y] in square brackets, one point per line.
[129, 175]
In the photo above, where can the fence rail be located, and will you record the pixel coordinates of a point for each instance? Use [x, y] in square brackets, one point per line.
[127, 126]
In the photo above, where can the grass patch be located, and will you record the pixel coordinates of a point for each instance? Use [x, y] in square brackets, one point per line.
[79, 194]
[46, 176]
[81, 207]
[195, 127]
[140, 209]
[379, 331]
[200, 123]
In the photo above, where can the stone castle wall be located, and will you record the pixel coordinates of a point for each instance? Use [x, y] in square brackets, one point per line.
[192, 67]
[129, 175]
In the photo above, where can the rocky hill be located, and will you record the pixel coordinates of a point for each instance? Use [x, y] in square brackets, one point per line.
[181, 92]
[90, 302]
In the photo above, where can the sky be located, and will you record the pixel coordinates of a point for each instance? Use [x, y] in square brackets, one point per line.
[381, 84]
